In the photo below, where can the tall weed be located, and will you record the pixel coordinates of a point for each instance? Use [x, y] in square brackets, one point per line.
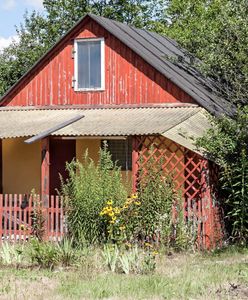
[89, 186]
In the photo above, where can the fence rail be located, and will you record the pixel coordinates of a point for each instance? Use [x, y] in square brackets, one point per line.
[18, 214]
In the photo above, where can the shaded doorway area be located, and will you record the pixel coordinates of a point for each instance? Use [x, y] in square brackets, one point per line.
[61, 151]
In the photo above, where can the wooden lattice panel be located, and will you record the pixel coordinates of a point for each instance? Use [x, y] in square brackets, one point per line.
[190, 173]
[183, 165]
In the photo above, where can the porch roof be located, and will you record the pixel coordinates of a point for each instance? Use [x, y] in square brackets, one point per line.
[176, 122]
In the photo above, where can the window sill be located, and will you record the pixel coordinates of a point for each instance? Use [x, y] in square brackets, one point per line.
[90, 90]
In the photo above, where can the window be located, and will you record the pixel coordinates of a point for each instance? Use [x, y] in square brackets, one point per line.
[89, 64]
[121, 151]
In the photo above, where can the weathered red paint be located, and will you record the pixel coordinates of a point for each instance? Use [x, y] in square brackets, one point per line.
[17, 222]
[45, 170]
[128, 78]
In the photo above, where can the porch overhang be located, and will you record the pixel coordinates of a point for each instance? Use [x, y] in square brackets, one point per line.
[181, 124]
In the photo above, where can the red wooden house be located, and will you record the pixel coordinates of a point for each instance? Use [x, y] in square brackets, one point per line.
[108, 81]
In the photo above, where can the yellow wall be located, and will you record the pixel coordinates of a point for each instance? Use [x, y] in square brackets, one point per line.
[21, 166]
[22, 163]
[92, 145]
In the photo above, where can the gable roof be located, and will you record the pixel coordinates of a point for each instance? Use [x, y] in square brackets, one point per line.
[163, 53]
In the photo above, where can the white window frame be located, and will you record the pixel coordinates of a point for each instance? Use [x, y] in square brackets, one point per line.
[102, 87]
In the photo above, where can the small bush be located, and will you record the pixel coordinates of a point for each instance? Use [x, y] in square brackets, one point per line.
[132, 261]
[88, 188]
[44, 254]
[67, 254]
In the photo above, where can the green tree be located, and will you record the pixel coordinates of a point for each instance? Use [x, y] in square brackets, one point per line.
[39, 32]
[215, 31]
[227, 143]
[16, 59]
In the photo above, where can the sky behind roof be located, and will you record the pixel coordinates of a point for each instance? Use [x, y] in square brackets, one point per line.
[11, 14]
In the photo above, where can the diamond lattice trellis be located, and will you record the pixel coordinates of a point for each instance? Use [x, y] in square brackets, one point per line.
[192, 176]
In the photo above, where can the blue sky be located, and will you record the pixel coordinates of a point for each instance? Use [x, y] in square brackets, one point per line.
[11, 14]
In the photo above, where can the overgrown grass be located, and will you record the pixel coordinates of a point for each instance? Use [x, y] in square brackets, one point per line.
[218, 275]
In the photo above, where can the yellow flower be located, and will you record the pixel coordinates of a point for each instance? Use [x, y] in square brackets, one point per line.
[155, 253]
[129, 201]
[134, 196]
[122, 228]
[148, 245]
[109, 208]
[125, 206]
[137, 203]
[117, 210]
[113, 218]
[112, 222]
[110, 202]
[111, 214]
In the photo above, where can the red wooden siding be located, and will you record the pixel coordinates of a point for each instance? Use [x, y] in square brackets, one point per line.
[128, 78]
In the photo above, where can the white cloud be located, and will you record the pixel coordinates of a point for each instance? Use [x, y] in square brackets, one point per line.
[35, 3]
[5, 42]
[8, 4]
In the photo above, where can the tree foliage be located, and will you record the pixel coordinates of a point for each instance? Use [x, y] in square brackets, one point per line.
[227, 143]
[39, 32]
[215, 31]
[16, 59]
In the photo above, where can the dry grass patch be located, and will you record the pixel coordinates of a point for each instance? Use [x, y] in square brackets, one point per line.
[178, 276]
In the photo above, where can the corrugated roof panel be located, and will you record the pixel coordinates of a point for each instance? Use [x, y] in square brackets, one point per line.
[175, 123]
[189, 130]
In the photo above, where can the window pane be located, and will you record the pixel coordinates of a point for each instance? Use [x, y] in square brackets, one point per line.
[83, 65]
[89, 64]
[95, 65]
[121, 151]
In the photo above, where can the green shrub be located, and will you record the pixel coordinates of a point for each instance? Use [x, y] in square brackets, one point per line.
[157, 197]
[44, 254]
[147, 216]
[38, 218]
[134, 260]
[227, 144]
[88, 188]
[67, 253]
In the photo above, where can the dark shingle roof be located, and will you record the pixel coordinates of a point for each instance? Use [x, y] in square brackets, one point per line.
[165, 55]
